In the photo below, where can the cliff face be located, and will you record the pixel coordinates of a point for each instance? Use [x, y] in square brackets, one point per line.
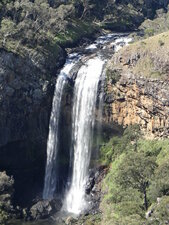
[139, 101]
[26, 91]
[137, 86]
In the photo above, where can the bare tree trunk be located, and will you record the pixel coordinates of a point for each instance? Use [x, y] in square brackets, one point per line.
[145, 200]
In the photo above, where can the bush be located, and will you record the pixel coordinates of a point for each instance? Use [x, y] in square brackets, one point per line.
[112, 149]
[160, 183]
[160, 212]
[138, 176]
[113, 76]
[3, 216]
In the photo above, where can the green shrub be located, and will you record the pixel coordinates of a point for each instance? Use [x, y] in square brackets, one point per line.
[138, 175]
[112, 149]
[160, 212]
[160, 182]
[113, 76]
[149, 32]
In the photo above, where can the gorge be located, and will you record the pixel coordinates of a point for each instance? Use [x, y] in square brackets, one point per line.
[84, 112]
[80, 89]
[83, 119]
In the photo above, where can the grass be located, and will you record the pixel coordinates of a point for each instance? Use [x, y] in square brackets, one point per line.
[148, 57]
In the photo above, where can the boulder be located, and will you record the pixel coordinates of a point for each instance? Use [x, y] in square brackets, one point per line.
[44, 208]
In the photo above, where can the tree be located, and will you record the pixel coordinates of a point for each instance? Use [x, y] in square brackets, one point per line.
[8, 29]
[133, 133]
[136, 171]
[160, 212]
[160, 183]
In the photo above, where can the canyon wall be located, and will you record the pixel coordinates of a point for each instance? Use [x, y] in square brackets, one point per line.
[137, 86]
[139, 101]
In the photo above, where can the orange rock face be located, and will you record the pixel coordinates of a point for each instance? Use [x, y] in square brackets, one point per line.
[142, 101]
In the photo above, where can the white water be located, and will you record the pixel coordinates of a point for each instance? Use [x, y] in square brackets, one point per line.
[83, 117]
[85, 97]
[52, 144]
[120, 42]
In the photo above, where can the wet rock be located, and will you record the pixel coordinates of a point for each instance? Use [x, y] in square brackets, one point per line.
[70, 220]
[26, 92]
[44, 208]
[74, 71]
[89, 185]
[16, 84]
[93, 189]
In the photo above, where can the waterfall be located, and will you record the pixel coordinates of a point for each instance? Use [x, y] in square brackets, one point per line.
[52, 144]
[85, 96]
[90, 65]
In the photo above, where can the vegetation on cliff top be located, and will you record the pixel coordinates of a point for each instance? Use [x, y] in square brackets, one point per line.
[158, 25]
[147, 58]
[36, 24]
[137, 179]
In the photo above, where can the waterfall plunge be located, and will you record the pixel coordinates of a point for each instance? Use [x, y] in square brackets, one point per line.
[85, 96]
[52, 144]
[83, 116]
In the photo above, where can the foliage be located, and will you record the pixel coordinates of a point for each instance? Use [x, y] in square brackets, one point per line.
[118, 145]
[74, 33]
[136, 171]
[160, 183]
[156, 26]
[28, 23]
[3, 216]
[160, 212]
[113, 76]
[138, 176]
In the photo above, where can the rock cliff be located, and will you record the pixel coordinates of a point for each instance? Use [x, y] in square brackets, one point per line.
[137, 86]
[139, 101]
[26, 91]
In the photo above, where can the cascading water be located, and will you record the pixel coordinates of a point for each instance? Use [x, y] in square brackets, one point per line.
[83, 118]
[52, 144]
[85, 97]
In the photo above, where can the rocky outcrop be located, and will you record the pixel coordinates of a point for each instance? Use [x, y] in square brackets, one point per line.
[24, 85]
[139, 101]
[26, 91]
[93, 188]
[44, 208]
[137, 88]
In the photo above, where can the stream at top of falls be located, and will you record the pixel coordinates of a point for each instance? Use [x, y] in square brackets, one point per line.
[92, 61]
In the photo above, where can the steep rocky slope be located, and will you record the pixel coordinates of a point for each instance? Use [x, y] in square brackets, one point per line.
[26, 91]
[138, 85]
[33, 38]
